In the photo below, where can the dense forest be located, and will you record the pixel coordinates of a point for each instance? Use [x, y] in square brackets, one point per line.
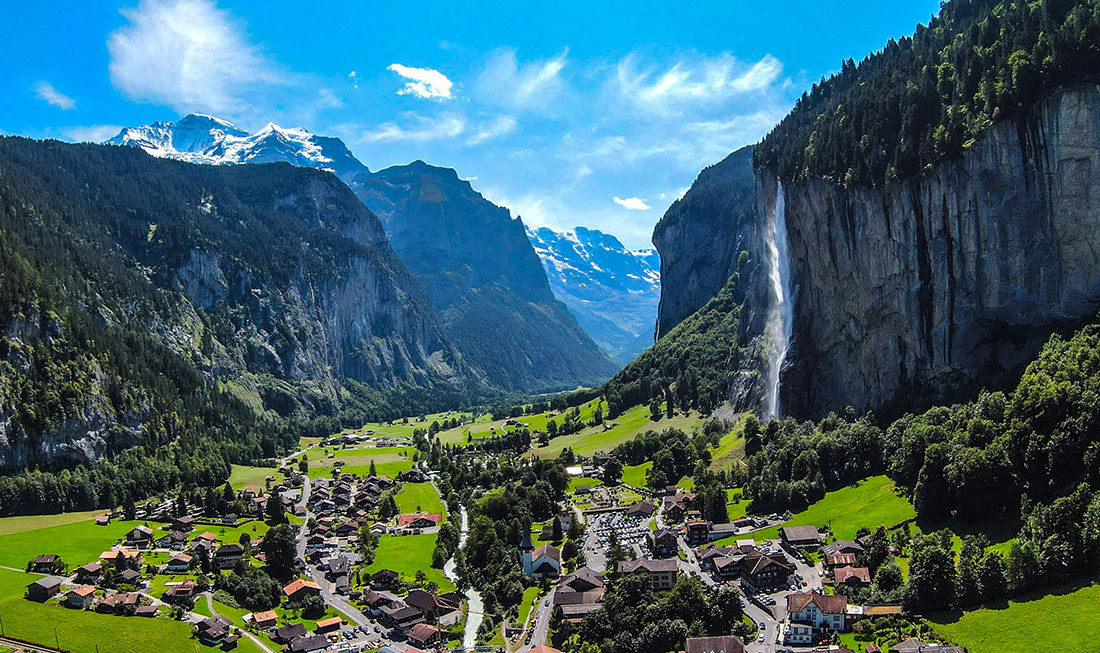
[129, 365]
[922, 99]
[1029, 456]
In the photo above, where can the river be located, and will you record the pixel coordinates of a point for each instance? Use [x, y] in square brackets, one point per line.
[474, 606]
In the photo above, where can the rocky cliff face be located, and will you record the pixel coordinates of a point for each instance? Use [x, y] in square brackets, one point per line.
[475, 261]
[907, 293]
[701, 235]
[272, 282]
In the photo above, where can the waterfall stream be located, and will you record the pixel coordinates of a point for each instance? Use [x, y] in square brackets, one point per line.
[781, 316]
[474, 606]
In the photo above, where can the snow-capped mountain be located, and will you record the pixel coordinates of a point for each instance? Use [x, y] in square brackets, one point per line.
[613, 291]
[196, 138]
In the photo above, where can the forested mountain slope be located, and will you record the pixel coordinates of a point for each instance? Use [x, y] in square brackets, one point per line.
[150, 302]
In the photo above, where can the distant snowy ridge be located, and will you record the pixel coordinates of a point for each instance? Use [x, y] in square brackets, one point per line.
[198, 138]
[613, 291]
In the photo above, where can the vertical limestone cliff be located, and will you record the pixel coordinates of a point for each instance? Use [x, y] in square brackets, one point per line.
[912, 292]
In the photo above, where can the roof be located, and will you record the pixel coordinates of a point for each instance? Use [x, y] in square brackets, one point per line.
[584, 577]
[726, 644]
[646, 564]
[547, 550]
[914, 645]
[329, 623]
[423, 632]
[799, 533]
[47, 582]
[267, 615]
[290, 631]
[642, 508]
[405, 520]
[83, 590]
[307, 643]
[299, 585]
[844, 574]
[837, 604]
[840, 559]
[46, 559]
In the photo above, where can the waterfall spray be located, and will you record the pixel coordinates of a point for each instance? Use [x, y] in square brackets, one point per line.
[781, 316]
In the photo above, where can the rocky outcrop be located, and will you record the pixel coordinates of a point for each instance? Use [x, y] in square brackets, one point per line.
[910, 293]
[701, 235]
[475, 261]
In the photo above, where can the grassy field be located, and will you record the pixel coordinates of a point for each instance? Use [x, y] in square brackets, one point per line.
[81, 631]
[730, 450]
[634, 475]
[77, 543]
[253, 477]
[871, 502]
[10, 525]
[1065, 619]
[631, 423]
[388, 461]
[581, 480]
[530, 596]
[406, 555]
[419, 497]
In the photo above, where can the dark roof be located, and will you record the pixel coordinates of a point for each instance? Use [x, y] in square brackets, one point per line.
[645, 564]
[307, 643]
[726, 644]
[800, 533]
[47, 582]
[289, 632]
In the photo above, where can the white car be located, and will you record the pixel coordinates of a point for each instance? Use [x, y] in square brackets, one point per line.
[761, 639]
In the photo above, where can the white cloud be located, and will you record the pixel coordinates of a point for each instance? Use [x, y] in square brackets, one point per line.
[425, 129]
[329, 99]
[499, 126]
[632, 203]
[45, 91]
[186, 54]
[694, 80]
[524, 86]
[91, 133]
[426, 83]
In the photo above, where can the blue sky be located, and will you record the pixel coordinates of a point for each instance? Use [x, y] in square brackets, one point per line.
[569, 113]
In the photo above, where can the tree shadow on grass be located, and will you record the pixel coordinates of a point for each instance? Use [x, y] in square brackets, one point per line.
[1061, 589]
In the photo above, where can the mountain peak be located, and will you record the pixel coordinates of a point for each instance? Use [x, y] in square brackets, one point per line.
[200, 138]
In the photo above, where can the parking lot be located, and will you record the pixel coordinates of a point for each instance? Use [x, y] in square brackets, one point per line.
[631, 531]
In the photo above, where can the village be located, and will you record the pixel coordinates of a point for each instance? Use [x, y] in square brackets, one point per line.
[354, 586]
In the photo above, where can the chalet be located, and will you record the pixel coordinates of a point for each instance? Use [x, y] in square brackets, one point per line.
[375, 601]
[315, 541]
[812, 615]
[413, 476]
[230, 519]
[542, 562]
[662, 573]
[182, 593]
[129, 577]
[307, 643]
[119, 603]
[383, 578]
[419, 521]
[345, 529]
[147, 611]
[707, 556]
[761, 570]
[118, 557]
[430, 604]
[336, 566]
[81, 597]
[721, 531]
[342, 500]
[140, 536]
[676, 506]
[916, 646]
[800, 536]
[89, 572]
[215, 631]
[401, 616]
[698, 531]
[325, 506]
[103, 520]
[180, 564]
[329, 625]
[184, 524]
[725, 644]
[843, 546]
[424, 635]
[839, 559]
[300, 589]
[643, 509]
[583, 490]
[580, 593]
[852, 576]
[288, 633]
[46, 564]
[228, 555]
[665, 543]
[174, 540]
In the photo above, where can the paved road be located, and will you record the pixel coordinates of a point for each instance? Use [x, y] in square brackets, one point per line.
[541, 629]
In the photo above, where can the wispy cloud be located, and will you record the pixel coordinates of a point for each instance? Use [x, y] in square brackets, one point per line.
[533, 85]
[45, 91]
[92, 133]
[423, 129]
[693, 79]
[632, 203]
[499, 126]
[423, 82]
[186, 54]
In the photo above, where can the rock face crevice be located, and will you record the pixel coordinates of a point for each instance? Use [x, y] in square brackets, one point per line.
[912, 292]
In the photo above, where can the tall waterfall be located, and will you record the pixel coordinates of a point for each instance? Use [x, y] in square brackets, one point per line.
[781, 316]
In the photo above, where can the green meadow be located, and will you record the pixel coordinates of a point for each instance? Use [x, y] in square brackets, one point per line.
[419, 497]
[407, 554]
